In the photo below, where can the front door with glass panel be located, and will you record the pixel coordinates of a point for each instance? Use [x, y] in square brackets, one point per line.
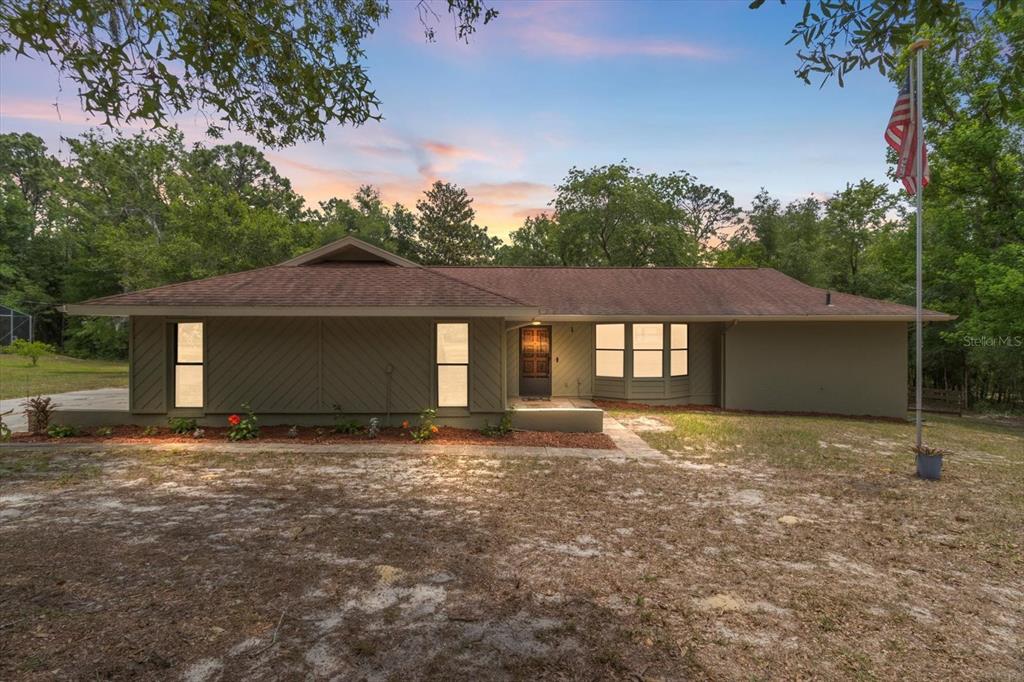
[535, 361]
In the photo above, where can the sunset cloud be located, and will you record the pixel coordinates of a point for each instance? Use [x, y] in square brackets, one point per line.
[578, 45]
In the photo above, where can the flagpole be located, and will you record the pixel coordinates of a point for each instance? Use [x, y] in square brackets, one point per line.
[918, 49]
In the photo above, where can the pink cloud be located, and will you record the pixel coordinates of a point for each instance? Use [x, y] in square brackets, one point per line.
[578, 45]
[513, 191]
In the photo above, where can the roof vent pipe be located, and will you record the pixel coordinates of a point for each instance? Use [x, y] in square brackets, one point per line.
[828, 297]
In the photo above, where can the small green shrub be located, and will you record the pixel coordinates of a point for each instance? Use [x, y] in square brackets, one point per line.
[5, 430]
[426, 429]
[182, 425]
[503, 428]
[61, 431]
[150, 431]
[104, 432]
[243, 428]
[343, 425]
[33, 350]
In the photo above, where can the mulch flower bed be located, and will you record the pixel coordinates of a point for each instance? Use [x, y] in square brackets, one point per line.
[446, 435]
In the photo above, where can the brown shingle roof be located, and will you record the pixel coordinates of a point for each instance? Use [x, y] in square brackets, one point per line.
[321, 284]
[351, 274]
[714, 292]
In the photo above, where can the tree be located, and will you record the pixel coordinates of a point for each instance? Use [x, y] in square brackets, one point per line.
[33, 350]
[615, 215]
[446, 231]
[537, 242]
[842, 36]
[704, 211]
[852, 218]
[282, 72]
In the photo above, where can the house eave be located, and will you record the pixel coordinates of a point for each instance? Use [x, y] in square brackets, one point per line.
[101, 310]
[671, 317]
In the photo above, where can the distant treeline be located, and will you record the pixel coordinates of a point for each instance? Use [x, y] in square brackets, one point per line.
[126, 213]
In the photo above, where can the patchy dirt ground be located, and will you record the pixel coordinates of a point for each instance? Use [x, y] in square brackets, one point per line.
[204, 566]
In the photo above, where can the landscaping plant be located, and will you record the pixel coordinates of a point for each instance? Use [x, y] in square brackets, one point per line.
[38, 411]
[243, 428]
[293, 432]
[503, 428]
[33, 350]
[373, 430]
[104, 432]
[61, 431]
[150, 431]
[182, 425]
[5, 430]
[343, 425]
[426, 429]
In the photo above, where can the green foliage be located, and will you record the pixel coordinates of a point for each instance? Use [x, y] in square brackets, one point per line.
[5, 430]
[243, 428]
[446, 231]
[182, 425]
[502, 429]
[104, 432]
[839, 37]
[61, 431]
[281, 72]
[150, 431]
[616, 215]
[97, 337]
[343, 424]
[426, 428]
[32, 350]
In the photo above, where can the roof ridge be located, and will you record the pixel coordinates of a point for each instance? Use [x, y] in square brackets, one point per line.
[433, 269]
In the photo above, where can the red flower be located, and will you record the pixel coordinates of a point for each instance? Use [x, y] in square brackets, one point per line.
[405, 423]
[234, 420]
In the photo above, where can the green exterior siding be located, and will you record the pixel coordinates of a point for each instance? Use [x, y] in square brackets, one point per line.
[830, 367]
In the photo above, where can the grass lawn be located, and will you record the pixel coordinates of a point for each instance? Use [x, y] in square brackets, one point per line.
[760, 548]
[57, 374]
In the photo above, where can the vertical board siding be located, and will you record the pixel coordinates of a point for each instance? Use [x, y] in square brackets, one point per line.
[512, 362]
[572, 357]
[149, 365]
[704, 359]
[485, 367]
[356, 356]
[267, 362]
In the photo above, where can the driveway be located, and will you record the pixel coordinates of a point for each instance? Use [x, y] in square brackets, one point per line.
[96, 399]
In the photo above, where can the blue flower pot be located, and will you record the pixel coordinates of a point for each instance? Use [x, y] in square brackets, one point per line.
[929, 467]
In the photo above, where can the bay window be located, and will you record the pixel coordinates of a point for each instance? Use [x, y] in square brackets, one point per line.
[648, 347]
[678, 350]
[453, 364]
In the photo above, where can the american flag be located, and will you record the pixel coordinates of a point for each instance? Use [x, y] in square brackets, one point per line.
[901, 134]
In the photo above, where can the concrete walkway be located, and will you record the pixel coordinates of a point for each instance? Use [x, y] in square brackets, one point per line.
[95, 399]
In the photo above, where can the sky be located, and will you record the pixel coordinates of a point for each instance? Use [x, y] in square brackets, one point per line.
[705, 87]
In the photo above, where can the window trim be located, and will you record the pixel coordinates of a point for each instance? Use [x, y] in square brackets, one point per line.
[672, 349]
[620, 351]
[192, 409]
[438, 364]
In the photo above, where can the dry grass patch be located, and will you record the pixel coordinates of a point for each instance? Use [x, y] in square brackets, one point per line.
[267, 566]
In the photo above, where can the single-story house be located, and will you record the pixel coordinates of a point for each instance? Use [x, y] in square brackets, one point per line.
[350, 327]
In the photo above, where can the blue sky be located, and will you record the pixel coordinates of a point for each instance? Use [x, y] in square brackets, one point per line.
[705, 87]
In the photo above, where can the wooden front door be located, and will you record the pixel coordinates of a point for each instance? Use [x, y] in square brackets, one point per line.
[535, 361]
